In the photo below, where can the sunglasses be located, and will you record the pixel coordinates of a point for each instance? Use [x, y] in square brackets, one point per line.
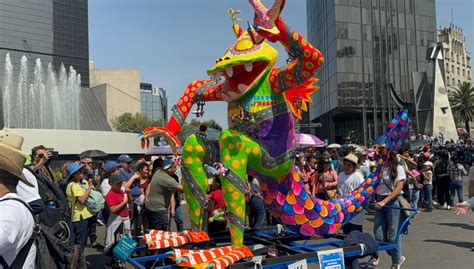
[87, 163]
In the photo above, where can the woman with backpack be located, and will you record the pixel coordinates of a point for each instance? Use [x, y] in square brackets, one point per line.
[387, 218]
[77, 195]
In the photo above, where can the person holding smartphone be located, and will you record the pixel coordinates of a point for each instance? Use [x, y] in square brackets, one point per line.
[42, 158]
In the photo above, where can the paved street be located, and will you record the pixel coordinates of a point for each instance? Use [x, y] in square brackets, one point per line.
[437, 240]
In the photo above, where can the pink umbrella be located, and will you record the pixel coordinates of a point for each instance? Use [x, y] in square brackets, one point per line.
[309, 140]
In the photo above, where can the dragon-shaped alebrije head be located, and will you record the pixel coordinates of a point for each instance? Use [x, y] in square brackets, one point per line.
[243, 64]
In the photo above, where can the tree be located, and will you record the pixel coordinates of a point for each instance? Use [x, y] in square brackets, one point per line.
[129, 123]
[194, 125]
[462, 103]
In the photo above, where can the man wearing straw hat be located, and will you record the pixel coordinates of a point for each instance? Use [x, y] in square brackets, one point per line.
[26, 193]
[16, 220]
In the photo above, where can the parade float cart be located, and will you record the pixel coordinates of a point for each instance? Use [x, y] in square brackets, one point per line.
[286, 246]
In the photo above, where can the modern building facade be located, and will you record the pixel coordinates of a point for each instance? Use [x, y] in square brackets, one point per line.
[56, 31]
[116, 90]
[370, 46]
[457, 60]
[153, 102]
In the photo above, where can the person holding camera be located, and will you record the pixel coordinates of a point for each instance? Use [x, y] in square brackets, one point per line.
[41, 160]
[89, 175]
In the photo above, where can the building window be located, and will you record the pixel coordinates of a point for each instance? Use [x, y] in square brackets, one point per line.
[454, 82]
[459, 71]
[453, 68]
[463, 72]
[447, 68]
[447, 80]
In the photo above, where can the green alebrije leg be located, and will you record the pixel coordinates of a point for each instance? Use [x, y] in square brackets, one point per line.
[193, 154]
[234, 156]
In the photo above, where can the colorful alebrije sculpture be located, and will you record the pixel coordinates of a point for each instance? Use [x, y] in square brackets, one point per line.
[260, 140]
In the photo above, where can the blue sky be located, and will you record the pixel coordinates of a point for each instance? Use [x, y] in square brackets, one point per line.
[173, 42]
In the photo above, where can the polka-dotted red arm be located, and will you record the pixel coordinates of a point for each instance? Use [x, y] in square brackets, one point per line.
[307, 60]
[198, 90]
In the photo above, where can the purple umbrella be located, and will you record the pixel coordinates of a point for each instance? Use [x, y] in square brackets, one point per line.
[160, 150]
[309, 140]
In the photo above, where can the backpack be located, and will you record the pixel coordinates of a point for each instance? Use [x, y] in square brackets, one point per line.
[95, 202]
[56, 209]
[55, 246]
[51, 251]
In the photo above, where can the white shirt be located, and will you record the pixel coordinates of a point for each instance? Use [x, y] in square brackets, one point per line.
[347, 184]
[105, 187]
[16, 228]
[27, 193]
[387, 182]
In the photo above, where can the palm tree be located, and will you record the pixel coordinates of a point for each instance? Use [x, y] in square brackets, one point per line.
[462, 103]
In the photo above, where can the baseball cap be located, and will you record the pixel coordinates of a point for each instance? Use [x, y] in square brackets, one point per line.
[110, 165]
[124, 158]
[168, 164]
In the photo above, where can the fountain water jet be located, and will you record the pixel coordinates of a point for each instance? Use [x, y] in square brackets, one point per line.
[36, 104]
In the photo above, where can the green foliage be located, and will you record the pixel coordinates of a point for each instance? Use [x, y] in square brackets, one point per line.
[129, 123]
[462, 104]
[194, 125]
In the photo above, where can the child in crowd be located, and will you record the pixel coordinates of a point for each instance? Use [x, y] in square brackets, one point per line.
[116, 201]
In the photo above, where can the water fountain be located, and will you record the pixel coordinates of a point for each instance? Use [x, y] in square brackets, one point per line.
[46, 100]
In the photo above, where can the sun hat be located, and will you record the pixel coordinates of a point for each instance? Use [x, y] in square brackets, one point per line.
[12, 139]
[73, 168]
[124, 158]
[12, 160]
[352, 158]
[428, 163]
[168, 164]
[110, 165]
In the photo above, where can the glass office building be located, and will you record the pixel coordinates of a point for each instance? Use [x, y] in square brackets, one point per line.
[56, 31]
[153, 102]
[370, 46]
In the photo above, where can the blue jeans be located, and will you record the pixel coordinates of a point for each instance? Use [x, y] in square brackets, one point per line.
[157, 220]
[81, 230]
[178, 218]
[455, 186]
[386, 227]
[257, 212]
[415, 196]
[428, 190]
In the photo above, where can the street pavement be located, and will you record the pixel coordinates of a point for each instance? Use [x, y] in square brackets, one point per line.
[436, 240]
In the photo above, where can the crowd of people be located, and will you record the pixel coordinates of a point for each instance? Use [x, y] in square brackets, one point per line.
[130, 196]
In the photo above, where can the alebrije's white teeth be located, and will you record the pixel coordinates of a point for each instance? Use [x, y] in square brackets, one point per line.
[242, 87]
[229, 71]
[248, 67]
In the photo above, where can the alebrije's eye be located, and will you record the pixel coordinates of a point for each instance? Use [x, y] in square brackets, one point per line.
[244, 44]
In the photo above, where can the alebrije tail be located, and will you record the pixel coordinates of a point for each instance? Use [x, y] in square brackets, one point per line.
[310, 216]
[395, 135]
